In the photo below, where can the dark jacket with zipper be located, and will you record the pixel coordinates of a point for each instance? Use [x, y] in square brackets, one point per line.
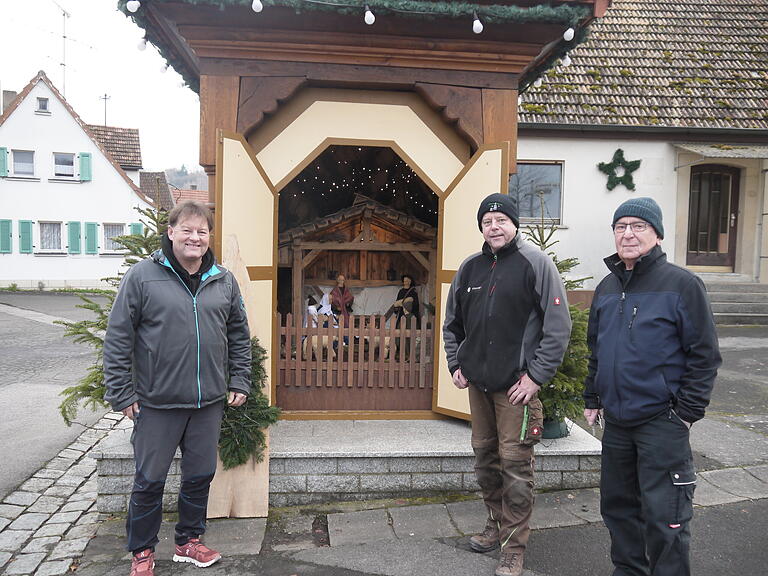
[169, 345]
[506, 315]
[653, 342]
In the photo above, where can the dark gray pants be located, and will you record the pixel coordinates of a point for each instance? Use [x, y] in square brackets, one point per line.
[156, 435]
[646, 486]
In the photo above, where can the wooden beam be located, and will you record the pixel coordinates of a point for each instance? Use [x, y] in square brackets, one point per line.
[218, 109]
[370, 246]
[500, 121]
[309, 258]
[419, 258]
[363, 265]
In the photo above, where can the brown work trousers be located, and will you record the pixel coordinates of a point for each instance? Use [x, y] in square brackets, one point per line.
[503, 443]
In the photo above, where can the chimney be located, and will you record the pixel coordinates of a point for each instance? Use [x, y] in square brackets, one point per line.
[8, 97]
[193, 186]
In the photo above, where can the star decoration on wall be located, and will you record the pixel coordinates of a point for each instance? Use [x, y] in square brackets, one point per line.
[619, 170]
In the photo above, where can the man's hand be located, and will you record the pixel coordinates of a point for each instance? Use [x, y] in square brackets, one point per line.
[523, 390]
[591, 414]
[131, 411]
[236, 398]
[459, 381]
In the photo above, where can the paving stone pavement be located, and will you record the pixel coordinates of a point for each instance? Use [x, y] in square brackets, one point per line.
[47, 522]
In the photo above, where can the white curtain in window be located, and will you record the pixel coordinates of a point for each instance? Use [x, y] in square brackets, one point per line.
[24, 162]
[110, 231]
[50, 235]
[64, 164]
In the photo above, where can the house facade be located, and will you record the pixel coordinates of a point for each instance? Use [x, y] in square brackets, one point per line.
[63, 197]
[680, 88]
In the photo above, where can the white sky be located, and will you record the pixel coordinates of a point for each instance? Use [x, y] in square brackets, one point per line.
[102, 57]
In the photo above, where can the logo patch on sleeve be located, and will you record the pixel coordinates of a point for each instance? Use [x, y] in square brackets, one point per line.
[556, 301]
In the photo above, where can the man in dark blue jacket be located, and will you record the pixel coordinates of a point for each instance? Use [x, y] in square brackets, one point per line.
[654, 358]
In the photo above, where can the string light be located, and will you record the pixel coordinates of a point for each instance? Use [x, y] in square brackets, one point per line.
[164, 68]
[537, 83]
[369, 17]
[565, 61]
[133, 5]
[569, 34]
[142, 44]
[257, 6]
[477, 26]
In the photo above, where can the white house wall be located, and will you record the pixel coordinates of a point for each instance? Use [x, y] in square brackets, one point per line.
[588, 206]
[107, 198]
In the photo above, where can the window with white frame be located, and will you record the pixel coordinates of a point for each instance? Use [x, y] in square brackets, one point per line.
[110, 232]
[42, 105]
[64, 164]
[23, 162]
[538, 190]
[50, 236]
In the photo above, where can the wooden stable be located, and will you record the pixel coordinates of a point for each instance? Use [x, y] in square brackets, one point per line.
[371, 244]
[279, 87]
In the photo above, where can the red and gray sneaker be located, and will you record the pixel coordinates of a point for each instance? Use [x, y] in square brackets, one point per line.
[143, 563]
[197, 553]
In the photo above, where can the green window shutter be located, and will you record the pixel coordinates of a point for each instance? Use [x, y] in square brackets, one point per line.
[3, 162]
[73, 237]
[137, 229]
[5, 237]
[85, 166]
[91, 238]
[25, 235]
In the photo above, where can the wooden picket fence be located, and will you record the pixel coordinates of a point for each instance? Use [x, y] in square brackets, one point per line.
[365, 354]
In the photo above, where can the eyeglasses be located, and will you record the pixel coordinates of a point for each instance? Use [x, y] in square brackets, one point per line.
[637, 227]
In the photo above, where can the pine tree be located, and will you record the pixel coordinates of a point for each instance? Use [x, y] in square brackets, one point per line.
[561, 397]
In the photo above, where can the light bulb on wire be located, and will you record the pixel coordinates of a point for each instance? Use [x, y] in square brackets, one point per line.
[142, 44]
[257, 6]
[537, 83]
[164, 68]
[565, 61]
[369, 17]
[133, 5]
[477, 26]
[569, 34]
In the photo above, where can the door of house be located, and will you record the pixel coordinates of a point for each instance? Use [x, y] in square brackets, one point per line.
[713, 216]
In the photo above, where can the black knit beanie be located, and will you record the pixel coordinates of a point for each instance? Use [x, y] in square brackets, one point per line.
[644, 208]
[498, 203]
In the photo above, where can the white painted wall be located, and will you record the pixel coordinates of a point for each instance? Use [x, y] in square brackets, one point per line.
[107, 198]
[588, 206]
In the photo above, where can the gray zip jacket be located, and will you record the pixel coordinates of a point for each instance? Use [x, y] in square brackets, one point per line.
[168, 348]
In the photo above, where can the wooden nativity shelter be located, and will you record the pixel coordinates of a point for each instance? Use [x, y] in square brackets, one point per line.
[283, 81]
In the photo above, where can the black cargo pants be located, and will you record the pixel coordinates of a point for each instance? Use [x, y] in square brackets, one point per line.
[156, 435]
[646, 486]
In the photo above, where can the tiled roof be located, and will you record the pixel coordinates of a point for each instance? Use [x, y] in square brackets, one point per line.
[663, 63]
[122, 143]
[197, 195]
[154, 185]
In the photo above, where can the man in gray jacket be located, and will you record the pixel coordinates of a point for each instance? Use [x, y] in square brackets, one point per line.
[177, 345]
[507, 327]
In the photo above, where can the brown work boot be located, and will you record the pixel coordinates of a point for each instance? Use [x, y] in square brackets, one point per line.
[488, 539]
[510, 562]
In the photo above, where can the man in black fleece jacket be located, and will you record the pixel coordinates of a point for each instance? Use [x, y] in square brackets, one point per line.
[654, 358]
[507, 326]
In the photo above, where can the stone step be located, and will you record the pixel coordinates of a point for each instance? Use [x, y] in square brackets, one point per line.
[742, 308]
[315, 461]
[736, 287]
[749, 297]
[741, 319]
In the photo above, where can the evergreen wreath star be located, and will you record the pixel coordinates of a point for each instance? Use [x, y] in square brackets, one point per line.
[619, 162]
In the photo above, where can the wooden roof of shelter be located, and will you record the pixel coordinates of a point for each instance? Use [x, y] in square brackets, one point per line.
[417, 230]
[662, 64]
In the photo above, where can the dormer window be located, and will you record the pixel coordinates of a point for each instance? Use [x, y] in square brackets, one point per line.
[42, 106]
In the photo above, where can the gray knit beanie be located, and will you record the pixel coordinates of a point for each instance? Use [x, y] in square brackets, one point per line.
[498, 203]
[645, 208]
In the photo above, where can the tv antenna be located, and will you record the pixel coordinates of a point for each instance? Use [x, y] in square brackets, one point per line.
[105, 98]
[64, 15]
